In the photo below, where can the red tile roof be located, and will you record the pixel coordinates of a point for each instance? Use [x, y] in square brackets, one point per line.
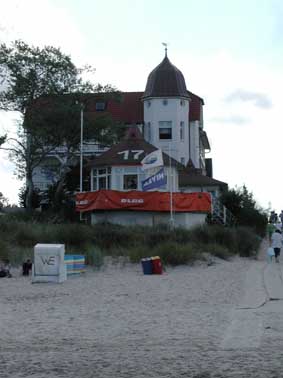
[125, 107]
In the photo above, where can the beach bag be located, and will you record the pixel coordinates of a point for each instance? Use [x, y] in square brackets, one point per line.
[270, 252]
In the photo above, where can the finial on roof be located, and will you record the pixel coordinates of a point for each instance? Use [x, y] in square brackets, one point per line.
[165, 44]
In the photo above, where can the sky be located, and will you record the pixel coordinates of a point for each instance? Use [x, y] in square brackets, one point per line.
[229, 51]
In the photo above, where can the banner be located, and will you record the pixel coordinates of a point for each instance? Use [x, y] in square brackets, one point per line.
[143, 201]
[152, 160]
[154, 181]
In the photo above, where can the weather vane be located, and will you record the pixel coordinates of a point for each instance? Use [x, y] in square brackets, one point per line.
[165, 44]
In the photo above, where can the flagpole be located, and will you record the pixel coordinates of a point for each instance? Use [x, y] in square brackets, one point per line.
[171, 189]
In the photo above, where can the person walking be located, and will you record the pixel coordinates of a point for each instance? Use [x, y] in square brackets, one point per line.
[276, 243]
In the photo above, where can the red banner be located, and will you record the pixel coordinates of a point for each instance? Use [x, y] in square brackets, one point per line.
[142, 201]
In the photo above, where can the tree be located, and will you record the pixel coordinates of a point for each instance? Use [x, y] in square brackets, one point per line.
[26, 74]
[3, 201]
[243, 206]
[59, 116]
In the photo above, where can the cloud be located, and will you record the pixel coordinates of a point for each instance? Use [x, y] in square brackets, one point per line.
[232, 119]
[260, 100]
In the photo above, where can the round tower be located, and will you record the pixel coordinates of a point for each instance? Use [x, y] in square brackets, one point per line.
[166, 111]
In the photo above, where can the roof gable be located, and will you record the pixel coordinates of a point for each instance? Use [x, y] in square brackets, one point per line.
[130, 151]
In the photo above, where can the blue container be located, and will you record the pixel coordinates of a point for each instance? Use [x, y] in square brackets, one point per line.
[147, 266]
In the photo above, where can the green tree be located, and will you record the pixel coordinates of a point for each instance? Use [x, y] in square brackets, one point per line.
[28, 73]
[3, 201]
[60, 116]
[243, 206]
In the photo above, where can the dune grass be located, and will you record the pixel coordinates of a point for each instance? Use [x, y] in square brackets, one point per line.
[178, 246]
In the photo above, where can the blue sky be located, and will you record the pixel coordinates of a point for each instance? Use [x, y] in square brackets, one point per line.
[230, 53]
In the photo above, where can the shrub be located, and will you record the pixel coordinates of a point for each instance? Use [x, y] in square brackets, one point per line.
[71, 234]
[224, 236]
[247, 241]
[136, 253]
[26, 234]
[93, 256]
[215, 249]
[175, 254]
[200, 234]
[18, 254]
[120, 236]
[4, 250]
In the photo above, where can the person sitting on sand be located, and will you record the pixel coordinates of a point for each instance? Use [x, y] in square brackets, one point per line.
[27, 266]
[5, 269]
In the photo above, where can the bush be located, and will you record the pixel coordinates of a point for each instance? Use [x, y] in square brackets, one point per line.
[217, 250]
[71, 234]
[176, 254]
[248, 242]
[178, 246]
[18, 254]
[26, 234]
[4, 250]
[136, 253]
[120, 236]
[94, 256]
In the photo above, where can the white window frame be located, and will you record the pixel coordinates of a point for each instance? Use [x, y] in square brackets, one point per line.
[97, 175]
[165, 125]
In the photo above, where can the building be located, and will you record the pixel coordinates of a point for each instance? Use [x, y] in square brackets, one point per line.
[168, 117]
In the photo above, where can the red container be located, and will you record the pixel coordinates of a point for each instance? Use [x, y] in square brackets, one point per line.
[156, 265]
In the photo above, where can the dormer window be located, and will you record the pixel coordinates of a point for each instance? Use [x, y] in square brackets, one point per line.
[165, 102]
[100, 106]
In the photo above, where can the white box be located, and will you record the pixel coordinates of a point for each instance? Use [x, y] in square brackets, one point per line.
[49, 265]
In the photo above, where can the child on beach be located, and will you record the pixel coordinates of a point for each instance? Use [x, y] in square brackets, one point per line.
[27, 266]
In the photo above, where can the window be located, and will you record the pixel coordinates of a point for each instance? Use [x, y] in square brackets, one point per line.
[181, 130]
[148, 103]
[130, 182]
[165, 130]
[165, 102]
[182, 102]
[183, 160]
[100, 106]
[147, 132]
[101, 179]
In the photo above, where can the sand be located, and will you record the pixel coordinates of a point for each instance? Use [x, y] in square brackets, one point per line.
[202, 321]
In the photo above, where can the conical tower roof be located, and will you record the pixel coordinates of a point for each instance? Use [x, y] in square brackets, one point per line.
[166, 80]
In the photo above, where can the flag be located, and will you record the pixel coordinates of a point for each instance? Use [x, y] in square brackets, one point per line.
[155, 181]
[152, 160]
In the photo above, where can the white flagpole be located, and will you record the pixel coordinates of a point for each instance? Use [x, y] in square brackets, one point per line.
[81, 150]
[171, 189]
[81, 153]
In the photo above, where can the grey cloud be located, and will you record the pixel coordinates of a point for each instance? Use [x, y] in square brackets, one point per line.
[260, 100]
[232, 119]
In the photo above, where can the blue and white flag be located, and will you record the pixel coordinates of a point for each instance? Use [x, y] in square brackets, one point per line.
[152, 160]
[155, 181]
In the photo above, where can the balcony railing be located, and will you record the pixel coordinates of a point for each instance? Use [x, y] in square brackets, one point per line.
[220, 214]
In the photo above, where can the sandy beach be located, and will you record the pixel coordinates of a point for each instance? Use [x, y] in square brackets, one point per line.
[218, 320]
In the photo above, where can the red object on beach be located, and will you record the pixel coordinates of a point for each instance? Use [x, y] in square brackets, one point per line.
[156, 265]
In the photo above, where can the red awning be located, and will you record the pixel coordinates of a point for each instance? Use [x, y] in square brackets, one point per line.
[142, 201]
